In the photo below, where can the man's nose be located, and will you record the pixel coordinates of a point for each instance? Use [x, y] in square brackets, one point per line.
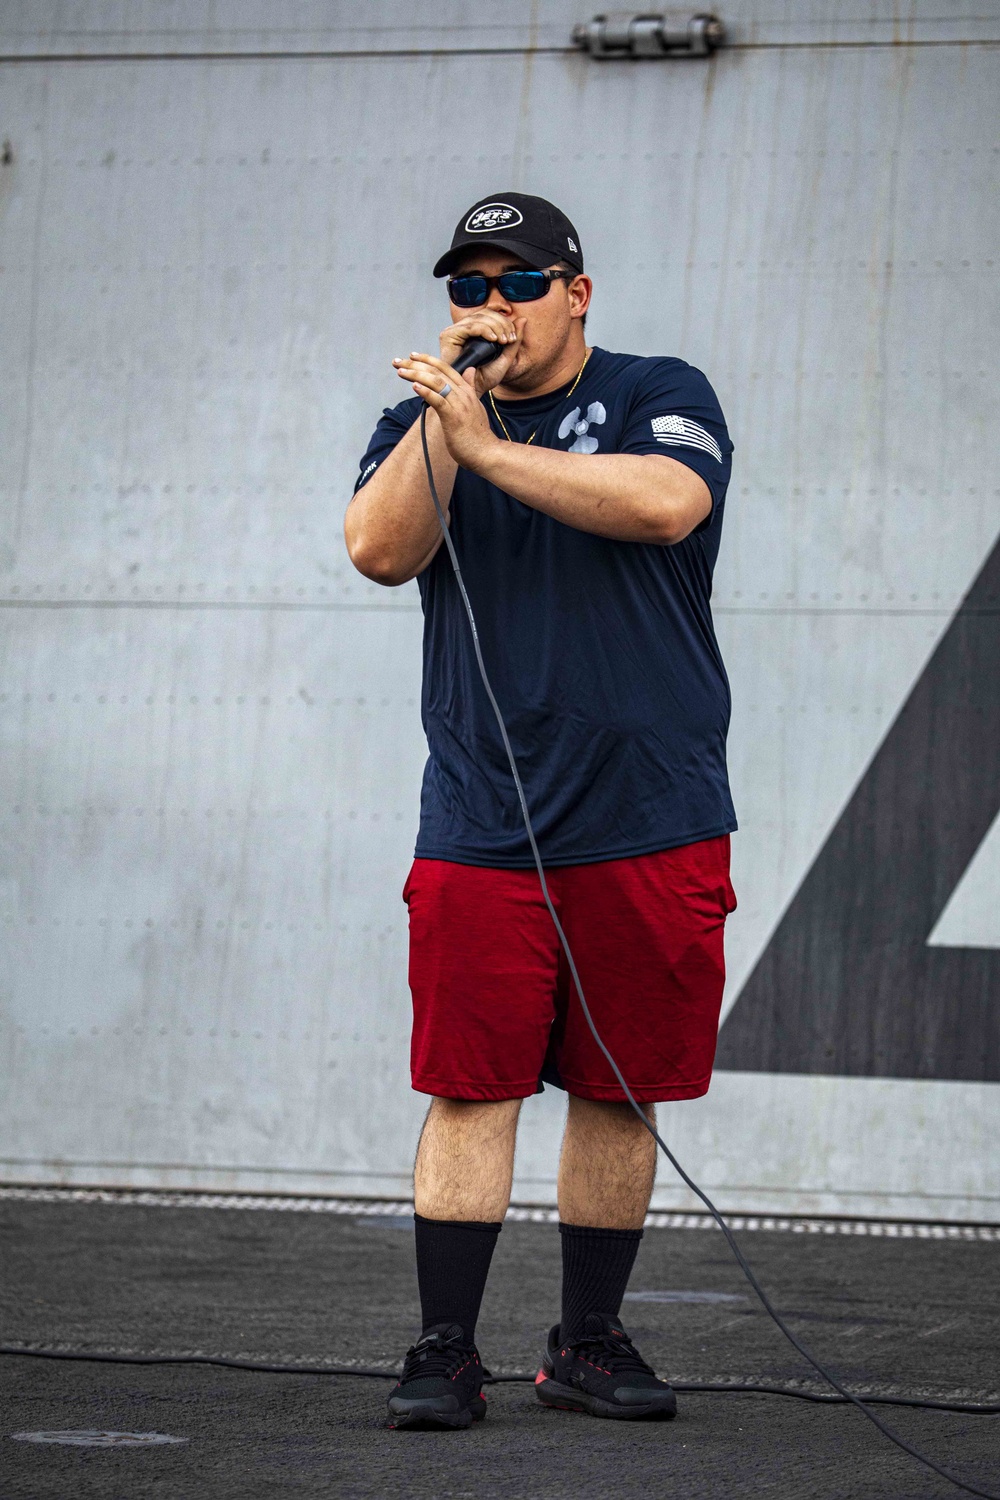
[497, 302]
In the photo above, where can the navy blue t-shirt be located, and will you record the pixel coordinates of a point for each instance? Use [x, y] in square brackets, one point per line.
[601, 653]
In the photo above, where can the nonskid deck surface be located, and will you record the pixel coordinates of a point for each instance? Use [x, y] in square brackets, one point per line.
[891, 1315]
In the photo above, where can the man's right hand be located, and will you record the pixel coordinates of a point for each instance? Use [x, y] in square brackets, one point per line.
[484, 323]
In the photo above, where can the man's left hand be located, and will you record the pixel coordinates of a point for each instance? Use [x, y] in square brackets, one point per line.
[466, 427]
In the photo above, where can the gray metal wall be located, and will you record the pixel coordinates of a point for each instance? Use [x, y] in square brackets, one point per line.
[213, 239]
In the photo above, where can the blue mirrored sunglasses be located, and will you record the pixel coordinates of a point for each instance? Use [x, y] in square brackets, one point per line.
[515, 286]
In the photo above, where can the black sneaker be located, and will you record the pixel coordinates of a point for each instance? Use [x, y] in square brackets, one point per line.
[602, 1373]
[441, 1383]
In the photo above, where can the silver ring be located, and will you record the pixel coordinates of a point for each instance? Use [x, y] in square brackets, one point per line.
[445, 390]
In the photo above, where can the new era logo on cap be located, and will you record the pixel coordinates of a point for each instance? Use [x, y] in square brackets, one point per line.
[491, 217]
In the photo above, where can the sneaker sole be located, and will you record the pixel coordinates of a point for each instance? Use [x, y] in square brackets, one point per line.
[424, 1414]
[567, 1398]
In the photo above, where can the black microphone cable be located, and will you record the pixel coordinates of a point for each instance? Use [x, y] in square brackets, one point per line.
[482, 353]
[303, 1367]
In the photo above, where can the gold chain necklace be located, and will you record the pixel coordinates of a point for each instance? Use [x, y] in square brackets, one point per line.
[565, 398]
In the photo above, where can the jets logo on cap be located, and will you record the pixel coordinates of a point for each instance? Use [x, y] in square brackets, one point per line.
[492, 216]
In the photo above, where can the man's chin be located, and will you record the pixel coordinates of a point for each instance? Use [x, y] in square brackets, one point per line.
[521, 376]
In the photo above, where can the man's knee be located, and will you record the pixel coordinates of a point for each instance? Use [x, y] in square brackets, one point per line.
[489, 1114]
[608, 1114]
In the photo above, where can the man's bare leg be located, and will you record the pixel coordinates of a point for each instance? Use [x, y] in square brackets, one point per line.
[465, 1160]
[605, 1182]
[607, 1165]
[461, 1188]
[606, 1176]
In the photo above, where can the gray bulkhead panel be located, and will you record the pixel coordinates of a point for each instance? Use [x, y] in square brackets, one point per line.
[210, 724]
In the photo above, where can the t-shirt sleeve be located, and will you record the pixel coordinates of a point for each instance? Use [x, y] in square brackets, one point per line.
[394, 423]
[675, 411]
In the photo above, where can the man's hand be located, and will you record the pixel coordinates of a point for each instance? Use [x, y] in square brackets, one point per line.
[465, 425]
[484, 323]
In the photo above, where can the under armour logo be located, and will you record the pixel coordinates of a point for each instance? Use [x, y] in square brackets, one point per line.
[573, 422]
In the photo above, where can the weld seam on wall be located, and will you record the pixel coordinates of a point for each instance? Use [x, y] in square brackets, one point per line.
[332, 606]
[329, 606]
[413, 52]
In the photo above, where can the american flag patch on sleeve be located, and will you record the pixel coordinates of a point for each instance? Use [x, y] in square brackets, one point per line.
[682, 432]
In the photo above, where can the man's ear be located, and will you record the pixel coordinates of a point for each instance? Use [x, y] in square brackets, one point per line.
[579, 290]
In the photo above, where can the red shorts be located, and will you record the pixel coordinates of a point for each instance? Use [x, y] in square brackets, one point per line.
[494, 1010]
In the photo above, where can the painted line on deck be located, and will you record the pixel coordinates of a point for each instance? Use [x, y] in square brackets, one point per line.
[360, 1208]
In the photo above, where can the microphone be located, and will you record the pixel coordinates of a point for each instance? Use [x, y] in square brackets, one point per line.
[477, 352]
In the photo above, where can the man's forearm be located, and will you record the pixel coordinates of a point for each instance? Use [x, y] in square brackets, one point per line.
[391, 527]
[628, 497]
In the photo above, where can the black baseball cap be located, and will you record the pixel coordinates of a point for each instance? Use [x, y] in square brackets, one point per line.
[530, 228]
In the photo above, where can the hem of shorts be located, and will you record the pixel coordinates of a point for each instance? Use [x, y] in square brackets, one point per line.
[449, 1088]
[649, 1093]
[486, 859]
[645, 1093]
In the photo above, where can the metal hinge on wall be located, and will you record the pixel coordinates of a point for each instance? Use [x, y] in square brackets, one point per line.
[628, 33]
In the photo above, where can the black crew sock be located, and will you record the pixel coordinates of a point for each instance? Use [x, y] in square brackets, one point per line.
[453, 1261]
[597, 1264]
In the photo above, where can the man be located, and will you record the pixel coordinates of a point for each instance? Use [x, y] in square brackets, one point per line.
[584, 492]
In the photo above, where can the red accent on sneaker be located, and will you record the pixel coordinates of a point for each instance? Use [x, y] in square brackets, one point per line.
[541, 1377]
